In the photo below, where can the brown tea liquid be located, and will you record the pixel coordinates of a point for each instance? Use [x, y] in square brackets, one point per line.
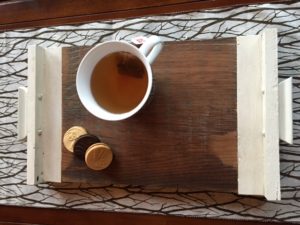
[119, 82]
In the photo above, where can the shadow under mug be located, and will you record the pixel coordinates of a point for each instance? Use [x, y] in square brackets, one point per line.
[146, 54]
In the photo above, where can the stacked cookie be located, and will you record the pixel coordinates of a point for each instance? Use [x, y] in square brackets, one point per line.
[88, 147]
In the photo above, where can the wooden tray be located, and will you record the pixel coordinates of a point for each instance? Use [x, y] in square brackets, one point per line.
[213, 122]
[186, 136]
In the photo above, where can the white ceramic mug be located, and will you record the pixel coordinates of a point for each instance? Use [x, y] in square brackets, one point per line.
[146, 53]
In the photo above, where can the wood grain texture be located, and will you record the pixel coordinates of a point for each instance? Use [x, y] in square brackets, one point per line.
[185, 136]
[34, 13]
[26, 215]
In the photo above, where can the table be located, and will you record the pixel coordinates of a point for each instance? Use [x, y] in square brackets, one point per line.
[222, 23]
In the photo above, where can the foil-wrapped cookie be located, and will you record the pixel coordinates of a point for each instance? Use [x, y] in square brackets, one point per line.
[71, 135]
[98, 156]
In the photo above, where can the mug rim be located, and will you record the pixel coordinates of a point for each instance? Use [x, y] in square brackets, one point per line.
[110, 116]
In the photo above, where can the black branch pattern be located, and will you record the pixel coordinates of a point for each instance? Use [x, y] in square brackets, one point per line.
[208, 24]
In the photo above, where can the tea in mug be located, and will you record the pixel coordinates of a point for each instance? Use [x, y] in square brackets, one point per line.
[119, 82]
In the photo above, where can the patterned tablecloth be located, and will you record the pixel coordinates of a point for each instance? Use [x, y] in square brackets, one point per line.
[218, 23]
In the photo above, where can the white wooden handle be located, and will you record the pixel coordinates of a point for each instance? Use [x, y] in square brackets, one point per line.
[22, 112]
[286, 110]
[43, 115]
[258, 115]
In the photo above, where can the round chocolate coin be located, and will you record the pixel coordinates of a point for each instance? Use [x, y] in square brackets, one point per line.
[71, 135]
[98, 156]
[83, 143]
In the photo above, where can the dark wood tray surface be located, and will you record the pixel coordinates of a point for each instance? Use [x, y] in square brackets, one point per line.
[186, 136]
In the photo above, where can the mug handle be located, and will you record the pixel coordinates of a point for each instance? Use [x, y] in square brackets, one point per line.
[154, 44]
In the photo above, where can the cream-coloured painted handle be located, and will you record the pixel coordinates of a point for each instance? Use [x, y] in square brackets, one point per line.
[286, 110]
[22, 111]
